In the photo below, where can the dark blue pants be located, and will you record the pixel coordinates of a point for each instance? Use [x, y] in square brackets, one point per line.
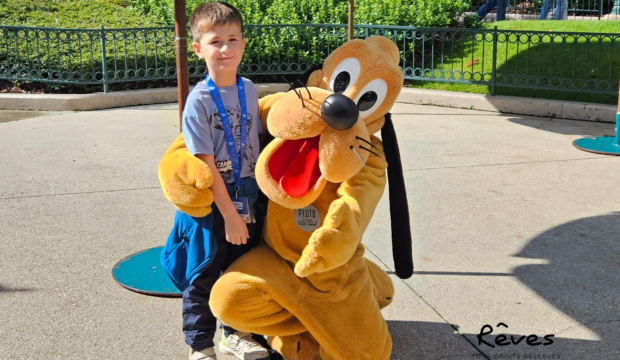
[490, 5]
[199, 324]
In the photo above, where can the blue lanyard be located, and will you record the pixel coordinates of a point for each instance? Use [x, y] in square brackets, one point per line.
[235, 157]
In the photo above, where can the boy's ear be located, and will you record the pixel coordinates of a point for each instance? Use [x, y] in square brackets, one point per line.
[196, 47]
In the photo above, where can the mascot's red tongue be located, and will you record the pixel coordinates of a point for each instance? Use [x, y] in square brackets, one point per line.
[295, 165]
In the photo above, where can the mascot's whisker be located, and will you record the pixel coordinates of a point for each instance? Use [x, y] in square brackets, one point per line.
[297, 93]
[304, 85]
[300, 98]
[358, 155]
[370, 151]
[367, 142]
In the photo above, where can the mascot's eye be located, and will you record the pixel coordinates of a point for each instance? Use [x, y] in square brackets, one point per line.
[367, 101]
[371, 97]
[344, 75]
[342, 82]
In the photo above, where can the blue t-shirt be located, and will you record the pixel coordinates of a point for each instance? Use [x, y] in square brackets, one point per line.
[204, 134]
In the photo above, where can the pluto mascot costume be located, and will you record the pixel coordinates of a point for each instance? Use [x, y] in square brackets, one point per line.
[307, 285]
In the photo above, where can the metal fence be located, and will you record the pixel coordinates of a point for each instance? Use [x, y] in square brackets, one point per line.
[557, 9]
[582, 62]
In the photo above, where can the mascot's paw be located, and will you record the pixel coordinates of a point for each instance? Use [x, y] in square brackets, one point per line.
[185, 180]
[331, 245]
[309, 263]
[328, 248]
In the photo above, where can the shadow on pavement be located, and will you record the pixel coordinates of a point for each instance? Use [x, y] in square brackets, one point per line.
[566, 127]
[427, 340]
[559, 349]
[163, 106]
[15, 115]
[4, 289]
[455, 114]
[582, 280]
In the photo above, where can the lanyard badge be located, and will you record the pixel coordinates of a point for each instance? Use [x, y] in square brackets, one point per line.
[236, 158]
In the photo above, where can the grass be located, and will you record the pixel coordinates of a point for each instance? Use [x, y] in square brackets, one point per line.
[579, 61]
[508, 91]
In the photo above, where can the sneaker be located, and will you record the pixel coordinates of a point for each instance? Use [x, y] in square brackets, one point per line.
[204, 354]
[243, 347]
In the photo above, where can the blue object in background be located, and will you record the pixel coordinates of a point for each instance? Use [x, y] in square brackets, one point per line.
[601, 145]
[561, 9]
[142, 272]
[488, 6]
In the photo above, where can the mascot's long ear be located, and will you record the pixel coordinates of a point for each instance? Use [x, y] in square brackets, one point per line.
[399, 209]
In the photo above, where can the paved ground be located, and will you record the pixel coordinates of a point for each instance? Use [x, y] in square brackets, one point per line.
[511, 225]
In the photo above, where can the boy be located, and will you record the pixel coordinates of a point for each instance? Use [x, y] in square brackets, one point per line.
[219, 109]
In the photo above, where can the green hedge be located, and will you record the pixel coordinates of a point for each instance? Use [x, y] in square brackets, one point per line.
[51, 54]
[421, 13]
[269, 50]
[73, 14]
[69, 56]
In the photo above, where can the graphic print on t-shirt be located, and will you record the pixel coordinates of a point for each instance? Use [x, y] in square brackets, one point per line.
[234, 116]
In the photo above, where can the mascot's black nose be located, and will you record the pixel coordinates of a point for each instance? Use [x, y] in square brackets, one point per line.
[339, 112]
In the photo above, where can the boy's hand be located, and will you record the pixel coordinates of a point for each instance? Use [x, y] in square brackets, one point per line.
[236, 231]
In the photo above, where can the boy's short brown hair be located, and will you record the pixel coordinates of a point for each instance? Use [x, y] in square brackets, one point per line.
[212, 14]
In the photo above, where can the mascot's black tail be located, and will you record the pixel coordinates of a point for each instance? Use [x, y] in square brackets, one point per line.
[399, 209]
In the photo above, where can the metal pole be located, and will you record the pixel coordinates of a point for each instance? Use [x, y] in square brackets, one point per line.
[494, 65]
[617, 140]
[104, 61]
[351, 8]
[618, 119]
[180, 31]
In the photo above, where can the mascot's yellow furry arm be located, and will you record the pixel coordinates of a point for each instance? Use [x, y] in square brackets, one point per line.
[186, 181]
[308, 285]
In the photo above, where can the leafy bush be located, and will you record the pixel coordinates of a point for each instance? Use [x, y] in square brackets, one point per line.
[62, 55]
[422, 13]
[74, 14]
[271, 50]
[472, 22]
[131, 55]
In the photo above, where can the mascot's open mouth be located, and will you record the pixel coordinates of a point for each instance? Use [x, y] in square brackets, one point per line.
[295, 165]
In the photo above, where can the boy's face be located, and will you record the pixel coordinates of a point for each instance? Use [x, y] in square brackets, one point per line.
[221, 46]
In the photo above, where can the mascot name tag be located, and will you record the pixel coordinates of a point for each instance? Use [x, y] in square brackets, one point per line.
[308, 218]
